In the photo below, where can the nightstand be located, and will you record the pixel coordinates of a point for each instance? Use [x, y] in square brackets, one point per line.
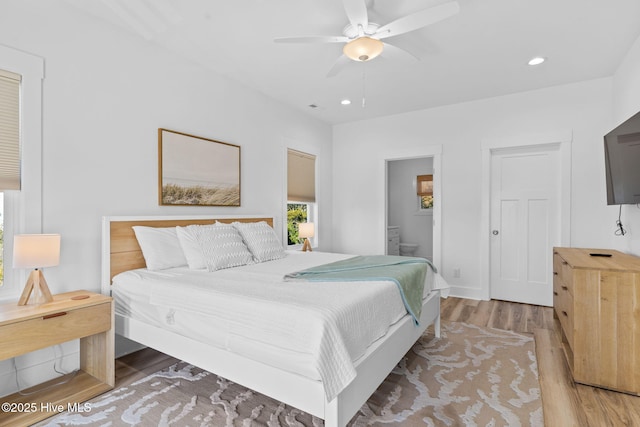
[74, 315]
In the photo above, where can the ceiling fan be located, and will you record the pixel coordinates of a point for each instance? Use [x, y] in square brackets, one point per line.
[363, 39]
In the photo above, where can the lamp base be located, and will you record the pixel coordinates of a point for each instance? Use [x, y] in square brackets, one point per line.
[306, 246]
[36, 282]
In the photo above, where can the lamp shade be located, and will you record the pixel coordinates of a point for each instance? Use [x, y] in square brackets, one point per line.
[306, 230]
[36, 250]
[363, 48]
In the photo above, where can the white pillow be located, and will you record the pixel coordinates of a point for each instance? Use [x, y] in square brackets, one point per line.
[191, 247]
[222, 246]
[261, 240]
[160, 247]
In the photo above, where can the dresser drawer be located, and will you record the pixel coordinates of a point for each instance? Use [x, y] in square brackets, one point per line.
[33, 334]
[557, 265]
[564, 311]
[567, 277]
[563, 304]
[562, 273]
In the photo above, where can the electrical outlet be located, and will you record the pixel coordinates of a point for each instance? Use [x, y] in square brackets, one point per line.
[456, 272]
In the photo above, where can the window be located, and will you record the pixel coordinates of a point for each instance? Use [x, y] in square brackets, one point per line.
[301, 192]
[424, 187]
[9, 145]
[296, 213]
[20, 157]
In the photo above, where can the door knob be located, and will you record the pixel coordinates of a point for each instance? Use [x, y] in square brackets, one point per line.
[495, 232]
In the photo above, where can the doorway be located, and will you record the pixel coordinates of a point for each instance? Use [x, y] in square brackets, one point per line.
[432, 154]
[405, 216]
[522, 216]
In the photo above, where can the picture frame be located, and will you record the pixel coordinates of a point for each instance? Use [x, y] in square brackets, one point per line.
[197, 171]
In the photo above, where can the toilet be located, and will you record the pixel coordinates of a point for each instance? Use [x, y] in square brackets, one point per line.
[408, 249]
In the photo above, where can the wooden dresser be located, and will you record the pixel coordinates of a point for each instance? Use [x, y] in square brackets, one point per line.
[596, 304]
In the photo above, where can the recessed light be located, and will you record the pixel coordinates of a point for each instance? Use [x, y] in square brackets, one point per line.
[537, 60]
[345, 102]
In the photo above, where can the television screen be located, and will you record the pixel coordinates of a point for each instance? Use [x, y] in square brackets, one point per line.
[622, 161]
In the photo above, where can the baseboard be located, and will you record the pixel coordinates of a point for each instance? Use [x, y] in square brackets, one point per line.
[467, 293]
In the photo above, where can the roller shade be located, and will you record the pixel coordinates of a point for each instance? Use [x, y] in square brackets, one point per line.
[301, 177]
[9, 131]
[424, 185]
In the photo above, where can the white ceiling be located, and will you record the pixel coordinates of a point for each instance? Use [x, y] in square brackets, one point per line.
[480, 52]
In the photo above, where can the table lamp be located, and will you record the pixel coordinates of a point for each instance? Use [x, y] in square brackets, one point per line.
[305, 231]
[36, 251]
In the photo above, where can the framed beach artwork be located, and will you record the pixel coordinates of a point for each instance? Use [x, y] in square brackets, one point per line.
[197, 171]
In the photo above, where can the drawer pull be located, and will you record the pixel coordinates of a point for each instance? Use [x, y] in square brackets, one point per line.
[51, 316]
[564, 263]
[565, 288]
[555, 273]
[555, 293]
[565, 313]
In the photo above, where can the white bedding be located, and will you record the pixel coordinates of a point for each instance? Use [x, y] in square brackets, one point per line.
[313, 329]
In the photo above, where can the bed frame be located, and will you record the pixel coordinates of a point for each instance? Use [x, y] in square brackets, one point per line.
[121, 252]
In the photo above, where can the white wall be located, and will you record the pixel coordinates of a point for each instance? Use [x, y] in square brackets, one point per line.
[626, 103]
[415, 226]
[105, 95]
[583, 108]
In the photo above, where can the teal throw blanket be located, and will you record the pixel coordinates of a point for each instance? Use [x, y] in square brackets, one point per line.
[408, 273]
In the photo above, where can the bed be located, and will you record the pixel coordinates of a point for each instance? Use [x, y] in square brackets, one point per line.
[148, 314]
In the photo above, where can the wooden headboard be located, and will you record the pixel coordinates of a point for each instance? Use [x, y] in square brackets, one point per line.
[120, 249]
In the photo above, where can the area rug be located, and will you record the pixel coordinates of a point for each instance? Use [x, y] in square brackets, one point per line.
[470, 376]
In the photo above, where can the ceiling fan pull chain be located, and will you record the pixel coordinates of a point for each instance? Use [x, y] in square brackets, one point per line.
[364, 64]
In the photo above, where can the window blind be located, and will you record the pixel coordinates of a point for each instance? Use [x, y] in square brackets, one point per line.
[9, 131]
[424, 185]
[301, 177]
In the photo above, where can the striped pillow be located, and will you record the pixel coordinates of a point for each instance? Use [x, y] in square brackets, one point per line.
[222, 246]
[261, 240]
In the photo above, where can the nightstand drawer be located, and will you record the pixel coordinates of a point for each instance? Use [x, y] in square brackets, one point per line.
[54, 328]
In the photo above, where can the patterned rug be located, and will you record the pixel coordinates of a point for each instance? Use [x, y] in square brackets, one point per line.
[471, 376]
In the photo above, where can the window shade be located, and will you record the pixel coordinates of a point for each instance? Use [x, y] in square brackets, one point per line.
[301, 177]
[9, 131]
[424, 185]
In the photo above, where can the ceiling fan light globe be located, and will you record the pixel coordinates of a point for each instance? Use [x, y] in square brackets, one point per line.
[363, 49]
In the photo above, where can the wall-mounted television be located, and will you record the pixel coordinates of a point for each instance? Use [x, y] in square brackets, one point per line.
[622, 162]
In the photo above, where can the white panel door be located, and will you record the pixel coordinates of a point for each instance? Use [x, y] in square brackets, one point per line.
[524, 223]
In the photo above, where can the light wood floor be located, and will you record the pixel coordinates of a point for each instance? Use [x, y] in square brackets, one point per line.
[565, 403]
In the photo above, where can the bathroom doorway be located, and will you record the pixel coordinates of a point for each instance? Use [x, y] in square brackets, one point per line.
[415, 222]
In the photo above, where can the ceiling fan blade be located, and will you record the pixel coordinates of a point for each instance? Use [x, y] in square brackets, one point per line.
[357, 13]
[418, 20]
[396, 53]
[338, 65]
[312, 39]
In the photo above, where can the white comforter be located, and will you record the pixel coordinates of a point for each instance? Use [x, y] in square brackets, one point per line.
[330, 324]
